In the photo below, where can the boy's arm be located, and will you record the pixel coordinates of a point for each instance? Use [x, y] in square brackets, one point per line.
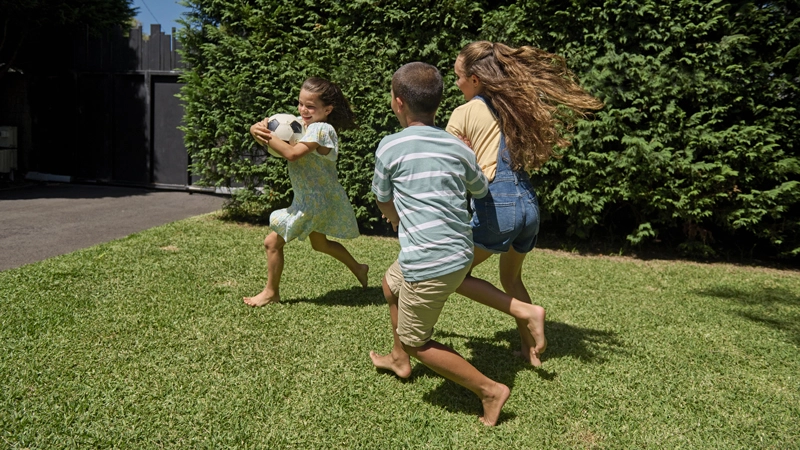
[382, 188]
[389, 213]
[477, 184]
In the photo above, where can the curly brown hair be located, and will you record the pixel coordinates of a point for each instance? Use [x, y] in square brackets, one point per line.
[537, 98]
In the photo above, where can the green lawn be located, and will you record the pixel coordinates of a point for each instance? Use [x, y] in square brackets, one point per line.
[144, 342]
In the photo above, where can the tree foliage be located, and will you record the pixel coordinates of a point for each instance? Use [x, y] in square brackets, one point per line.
[249, 59]
[697, 144]
[699, 136]
[31, 30]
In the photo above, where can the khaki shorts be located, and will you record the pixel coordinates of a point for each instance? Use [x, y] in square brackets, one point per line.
[419, 303]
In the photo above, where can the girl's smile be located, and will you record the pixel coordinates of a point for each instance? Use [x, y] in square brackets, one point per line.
[311, 108]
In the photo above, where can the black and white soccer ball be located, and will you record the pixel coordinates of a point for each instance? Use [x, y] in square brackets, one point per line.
[285, 127]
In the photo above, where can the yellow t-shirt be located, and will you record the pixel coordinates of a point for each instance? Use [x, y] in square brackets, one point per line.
[475, 121]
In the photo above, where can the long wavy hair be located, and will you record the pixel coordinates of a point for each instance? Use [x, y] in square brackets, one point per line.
[537, 98]
[342, 116]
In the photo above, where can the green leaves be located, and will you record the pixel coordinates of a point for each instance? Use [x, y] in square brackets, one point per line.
[700, 119]
[248, 61]
[699, 101]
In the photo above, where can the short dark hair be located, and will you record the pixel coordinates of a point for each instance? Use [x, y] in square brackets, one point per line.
[420, 86]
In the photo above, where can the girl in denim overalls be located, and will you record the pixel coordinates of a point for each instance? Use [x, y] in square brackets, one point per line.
[511, 121]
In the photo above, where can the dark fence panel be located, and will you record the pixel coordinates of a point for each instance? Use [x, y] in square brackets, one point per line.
[118, 53]
[53, 100]
[111, 114]
[92, 160]
[131, 130]
[170, 165]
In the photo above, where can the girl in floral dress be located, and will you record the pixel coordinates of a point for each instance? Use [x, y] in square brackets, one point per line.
[320, 207]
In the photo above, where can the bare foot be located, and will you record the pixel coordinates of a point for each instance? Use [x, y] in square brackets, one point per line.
[536, 327]
[534, 342]
[400, 366]
[493, 404]
[362, 275]
[263, 298]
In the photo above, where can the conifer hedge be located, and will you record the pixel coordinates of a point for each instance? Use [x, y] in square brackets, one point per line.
[697, 144]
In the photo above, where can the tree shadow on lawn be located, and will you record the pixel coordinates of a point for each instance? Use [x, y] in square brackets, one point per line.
[495, 358]
[354, 297]
[764, 306]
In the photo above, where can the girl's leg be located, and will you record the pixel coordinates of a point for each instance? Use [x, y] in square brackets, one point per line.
[481, 255]
[532, 326]
[321, 243]
[273, 244]
[529, 318]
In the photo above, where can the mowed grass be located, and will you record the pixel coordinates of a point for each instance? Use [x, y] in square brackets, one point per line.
[144, 342]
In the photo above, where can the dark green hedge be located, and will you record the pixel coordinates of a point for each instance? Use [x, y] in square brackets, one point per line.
[697, 144]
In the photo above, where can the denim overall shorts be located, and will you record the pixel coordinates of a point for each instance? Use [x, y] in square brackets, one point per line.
[509, 214]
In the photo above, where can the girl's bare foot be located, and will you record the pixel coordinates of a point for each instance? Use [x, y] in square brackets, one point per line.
[400, 366]
[536, 327]
[534, 342]
[362, 274]
[263, 298]
[493, 404]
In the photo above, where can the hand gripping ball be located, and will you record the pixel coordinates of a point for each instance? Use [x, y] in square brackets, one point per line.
[285, 127]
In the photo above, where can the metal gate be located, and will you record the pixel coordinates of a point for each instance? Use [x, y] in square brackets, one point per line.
[111, 116]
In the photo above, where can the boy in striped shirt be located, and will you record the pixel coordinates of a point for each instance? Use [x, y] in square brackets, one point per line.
[422, 176]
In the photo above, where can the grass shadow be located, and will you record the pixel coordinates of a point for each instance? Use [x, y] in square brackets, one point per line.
[353, 297]
[585, 344]
[495, 358]
[766, 296]
[765, 306]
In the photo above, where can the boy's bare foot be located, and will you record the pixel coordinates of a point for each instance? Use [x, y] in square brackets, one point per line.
[493, 404]
[400, 366]
[263, 298]
[363, 275]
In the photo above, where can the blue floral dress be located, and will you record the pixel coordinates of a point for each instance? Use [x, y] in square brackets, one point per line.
[320, 203]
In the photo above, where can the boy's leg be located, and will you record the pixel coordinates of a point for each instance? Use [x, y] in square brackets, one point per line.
[321, 243]
[418, 311]
[273, 244]
[397, 361]
[449, 364]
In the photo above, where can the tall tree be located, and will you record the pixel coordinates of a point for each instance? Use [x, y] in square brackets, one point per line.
[29, 26]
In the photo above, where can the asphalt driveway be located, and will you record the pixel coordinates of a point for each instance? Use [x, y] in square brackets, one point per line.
[44, 220]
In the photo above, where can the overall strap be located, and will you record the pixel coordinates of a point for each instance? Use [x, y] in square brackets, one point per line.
[503, 158]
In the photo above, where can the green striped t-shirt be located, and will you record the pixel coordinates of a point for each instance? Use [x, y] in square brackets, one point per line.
[428, 172]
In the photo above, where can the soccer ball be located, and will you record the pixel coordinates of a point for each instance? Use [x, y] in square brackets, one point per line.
[285, 127]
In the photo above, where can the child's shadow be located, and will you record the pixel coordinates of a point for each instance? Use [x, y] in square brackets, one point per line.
[354, 297]
[495, 358]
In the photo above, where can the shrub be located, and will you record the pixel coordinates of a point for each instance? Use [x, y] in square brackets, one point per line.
[249, 60]
[697, 144]
[698, 139]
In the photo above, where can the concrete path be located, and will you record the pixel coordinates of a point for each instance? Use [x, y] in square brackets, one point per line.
[44, 220]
